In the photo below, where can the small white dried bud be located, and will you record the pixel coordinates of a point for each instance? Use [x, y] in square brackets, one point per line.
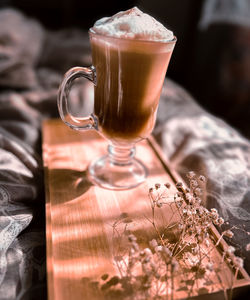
[198, 192]
[194, 211]
[179, 204]
[147, 252]
[205, 210]
[230, 249]
[159, 204]
[214, 216]
[179, 184]
[202, 178]
[210, 266]
[167, 185]
[206, 223]
[206, 234]
[198, 200]
[238, 261]
[228, 233]
[198, 230]
[191, 174]
[194, 183]
[216, 222]
[184, 211]
[221, 221]
[189, 197]
[214, 211]
[247, 247]
[180, 226]
[153, 243]
[157, 186]
[131, 251]
[158, 249]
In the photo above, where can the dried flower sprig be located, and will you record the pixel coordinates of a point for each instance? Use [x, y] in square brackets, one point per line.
[180, 258]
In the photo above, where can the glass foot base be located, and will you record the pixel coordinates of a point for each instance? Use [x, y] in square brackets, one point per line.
[117, 176]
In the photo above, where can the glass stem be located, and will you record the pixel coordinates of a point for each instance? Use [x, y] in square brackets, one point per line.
[121, 155]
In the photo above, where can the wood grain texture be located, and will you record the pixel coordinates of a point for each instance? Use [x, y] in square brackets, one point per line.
[80, 216]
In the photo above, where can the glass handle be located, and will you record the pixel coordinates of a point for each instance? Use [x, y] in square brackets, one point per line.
[77, 123]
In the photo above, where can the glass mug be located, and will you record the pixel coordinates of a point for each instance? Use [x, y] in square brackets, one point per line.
[128, 76]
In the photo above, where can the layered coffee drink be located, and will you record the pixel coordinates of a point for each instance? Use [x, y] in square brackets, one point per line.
[130, 52]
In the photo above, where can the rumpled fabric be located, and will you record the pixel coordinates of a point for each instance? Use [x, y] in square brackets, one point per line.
[226, 12]
[32, 61]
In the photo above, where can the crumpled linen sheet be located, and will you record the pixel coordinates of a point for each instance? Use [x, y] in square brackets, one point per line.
[32, 61]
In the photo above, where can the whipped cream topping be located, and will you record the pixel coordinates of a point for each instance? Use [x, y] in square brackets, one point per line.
[133, 24]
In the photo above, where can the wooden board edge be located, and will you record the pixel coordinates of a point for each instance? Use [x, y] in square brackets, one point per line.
[49, 254]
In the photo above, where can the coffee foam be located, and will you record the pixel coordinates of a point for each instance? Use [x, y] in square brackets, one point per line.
[133, 24]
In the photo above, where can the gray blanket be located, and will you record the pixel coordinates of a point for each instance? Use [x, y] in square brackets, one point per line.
[32, 62]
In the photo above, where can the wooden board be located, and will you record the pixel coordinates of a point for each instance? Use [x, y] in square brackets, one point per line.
[80, 217]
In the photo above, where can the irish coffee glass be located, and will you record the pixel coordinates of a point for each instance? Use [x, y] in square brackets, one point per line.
[128, 75]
